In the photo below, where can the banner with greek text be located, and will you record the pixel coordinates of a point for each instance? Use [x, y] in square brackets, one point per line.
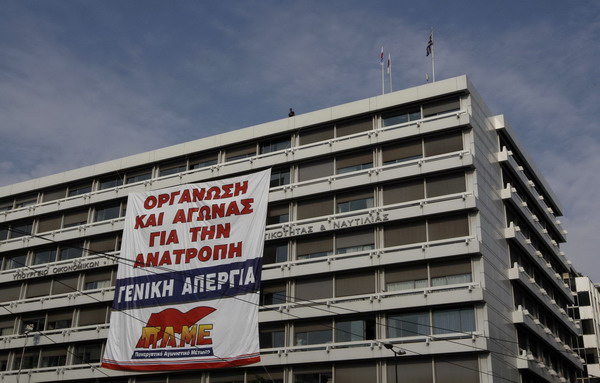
[187, 290]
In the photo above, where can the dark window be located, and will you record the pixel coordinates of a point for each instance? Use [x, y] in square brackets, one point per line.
[275, 145]
[456, 369]
[354, 126]
[406, 278]
[75, 218]
[438, 107]
[70, 252]
[87, 353]
[405, 233]
[446, 143]
[450, 272]
[403, 151]
[351, 330]
[63, 285]
[316, 135]
[354, 162]
[354, 241]
[445, 184]
[315, 169]
[110, 182]
[20, 229]
[273, 293]
[406, 191]
[172, 168]
[92, 315]
[271, 336]
[313, 333]
[401, 116]
[106, 212]
[102, 245]
[278, 214]
[241, 152]
[44, 256]
[587, 327]
[53, 357]
[410, 370]
[15, 261]
[79, 189]
[313, 247]
[583, 298]
[275, 253]
[280, 177]
[358, 200]
[139, 176]
[203, 161]
[448, 227]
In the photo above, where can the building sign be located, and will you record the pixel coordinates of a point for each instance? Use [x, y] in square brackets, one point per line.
[188, 296]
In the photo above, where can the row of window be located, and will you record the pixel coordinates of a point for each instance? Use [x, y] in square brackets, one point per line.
[456, 320]
[342, 284]
[530, 344]
[60, 252]
[59, 284]
[398, 152]
[56, 319]
[541, 313]
[540, 277]
[417, 369]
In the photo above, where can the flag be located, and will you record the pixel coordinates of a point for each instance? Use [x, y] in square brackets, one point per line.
[429, 44]
[389, 65]
[381, 57]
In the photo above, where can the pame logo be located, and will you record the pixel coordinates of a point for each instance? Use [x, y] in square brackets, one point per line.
[172, 328]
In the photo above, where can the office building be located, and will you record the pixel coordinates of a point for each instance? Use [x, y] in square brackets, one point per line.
[412, 220]
[587, 311]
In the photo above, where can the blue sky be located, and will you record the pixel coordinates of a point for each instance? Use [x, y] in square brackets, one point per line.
[87, 81]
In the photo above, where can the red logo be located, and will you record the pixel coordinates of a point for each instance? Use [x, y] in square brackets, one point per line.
[173, 328]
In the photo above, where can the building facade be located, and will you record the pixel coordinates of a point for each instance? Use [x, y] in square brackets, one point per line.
[587, 311]
[412, 220]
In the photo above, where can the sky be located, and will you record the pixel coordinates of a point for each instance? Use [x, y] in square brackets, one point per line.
[84, 81]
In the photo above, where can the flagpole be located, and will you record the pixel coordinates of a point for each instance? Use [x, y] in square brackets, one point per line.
[382, 76]
[390, 70]
[432, 58]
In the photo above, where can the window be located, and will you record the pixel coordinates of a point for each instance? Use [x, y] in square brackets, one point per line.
[354, 241]
[456, 369]
[259, 375]
[401, 152]
[87, 353]
[79, 189]
[97, 280]
[15, 261]
[351, 330]
[50, 223]
[313, 288]
[587, 327]
[356, 372]
[410, 370]
[446, 184]
[451, 272]
[60, 319]
[275, 145]
[241, 152]
[583, 298]
[53, 357]
[313, 247]
[7, 327]
[138, 176]
[172, 168]
[354, 201]
[92, 315]
[401, 116]
[71, 251]
[110, 182]
[20, 229]
[354, 162]
[63, 285]
[447, 143]
[29, 359]
[37, 323]
[315, 169]
[437, 107]
[448, 227]
[313, 333]
[38, 288]
[6, 205]
[454, 320]
[312, 375]
[406, 278]
[44, 256]
[354, 284]
[354, 126]
[52, 195]
[102, 245]
[203, 161]
[106, 212]
[273, 293]
[315, 207]
[11, 292]
[271, 336]
[280, 177]
[410, 190]
[75, 218]
[405, 233]
[275, 253]
[316, 135]
[24, 201]
[278, 214]
[408, 324]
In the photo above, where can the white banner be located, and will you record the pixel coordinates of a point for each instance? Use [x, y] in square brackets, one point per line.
[187, 294]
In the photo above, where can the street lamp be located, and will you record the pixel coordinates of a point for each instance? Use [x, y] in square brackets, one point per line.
[390, 346]
[28, 328]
